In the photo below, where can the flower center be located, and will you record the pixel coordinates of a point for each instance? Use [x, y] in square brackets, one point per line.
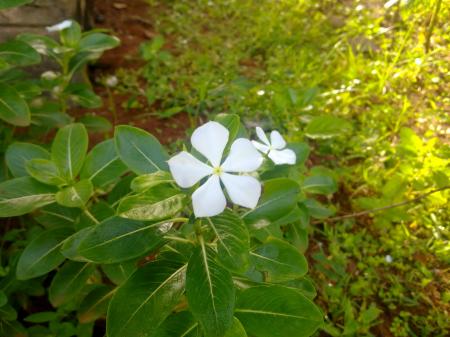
[217, 170]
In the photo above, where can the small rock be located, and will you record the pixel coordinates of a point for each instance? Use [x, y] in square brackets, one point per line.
[118, 5]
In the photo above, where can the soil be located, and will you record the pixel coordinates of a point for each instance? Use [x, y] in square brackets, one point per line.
[128, 20]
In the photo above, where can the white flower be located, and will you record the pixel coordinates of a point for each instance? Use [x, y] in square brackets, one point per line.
[210, 140]
[112, 81]
[388, 259]
[49, 75]
[274, 147]
[60, 26]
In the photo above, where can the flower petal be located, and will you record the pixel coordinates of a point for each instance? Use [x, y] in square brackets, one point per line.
[60, 26]
[277, 140]
[262, 136]
[285, 156]
[242, 190]
[210, 140]
[261, 147]
[208, 199]
[243, 157]
[187, 170]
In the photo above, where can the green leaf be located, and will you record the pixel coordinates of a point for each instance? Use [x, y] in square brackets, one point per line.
[13, 108]
[278, 199]
[319, 185]
[279, 260]
[71, 36]
[18, 154]
[98, 42]
[3, 298]
[146, 299]
[41, 317]
[156, 203]
[304, 285]
[45, 171]
[316, 209]
[23, 195]
[233, 240]
[79, 60]
[83, 95]
[70, 246]
[139, 150]
[324, 127]
[69, 149]
[55, 215]
[42, 254]
[210, 292]
[268, 311]
[18, 53]
[69, 281]
[103, 165]
[95, 304]
[146, 181]
[236, 330]
[95, 123]
[120, 272]
[76, 195]
[179, 324]
[13, 3]
[118, 239]
[7, 313]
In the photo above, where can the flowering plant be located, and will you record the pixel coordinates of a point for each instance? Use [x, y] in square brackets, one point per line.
[179, 259]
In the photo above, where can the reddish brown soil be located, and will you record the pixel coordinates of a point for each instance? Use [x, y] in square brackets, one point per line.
[128, 20]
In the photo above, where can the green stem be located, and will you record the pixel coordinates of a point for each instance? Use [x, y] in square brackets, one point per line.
[112, 105]
[90, 216]
[432, 25]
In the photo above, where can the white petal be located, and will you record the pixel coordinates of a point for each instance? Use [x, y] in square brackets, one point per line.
[243, 157]
[261, 147]
[187, 170]
[210, 140]
[242, 190]
[60, 26]
[208, 199]
[286, 156]
[277, 140]
[262, 136]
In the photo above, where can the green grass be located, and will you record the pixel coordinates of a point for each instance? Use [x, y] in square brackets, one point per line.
[284, 63]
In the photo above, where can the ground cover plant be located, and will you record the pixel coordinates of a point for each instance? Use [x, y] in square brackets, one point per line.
[309, 198]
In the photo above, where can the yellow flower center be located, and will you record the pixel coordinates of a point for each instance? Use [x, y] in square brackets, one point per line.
[217, 170]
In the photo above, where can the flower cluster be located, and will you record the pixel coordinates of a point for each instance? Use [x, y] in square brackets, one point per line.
[244, 157]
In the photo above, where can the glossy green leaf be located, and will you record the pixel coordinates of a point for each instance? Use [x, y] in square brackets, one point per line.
[41, 317]
[145, 181]
[98, 42]
[279, 197]
[267, 311]
[69, 281]
[76, 195]
[233, 240]
[319, 185]
[71, 36]
[146, 299]
[13, 3]
[279, 260]
[316, 209]
[18, 154]
[103, 165]
[45, 171]
[18, 53]
[55, 215]
[118, 239]
[69, 149]
[236, 330]
[83, 95]
[95, 304]
[70, 246]
[118, 273]
[42, 254]
[13, 108]
[156, 203]
[304, 285]
[179, 324]
[210, 292]
[139, 150]
[3, 298]
[324, 127]
[23, 195]
[7, 313]
[95, 123]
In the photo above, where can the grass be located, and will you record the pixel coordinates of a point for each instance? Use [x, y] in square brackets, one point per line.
[283, 64]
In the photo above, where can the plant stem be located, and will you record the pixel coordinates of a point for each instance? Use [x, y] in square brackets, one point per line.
[432, 25]
[379, 209]
[90, 216]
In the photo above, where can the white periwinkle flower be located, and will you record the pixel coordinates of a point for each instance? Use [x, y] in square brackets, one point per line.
[60, 26]
[275, 148]
[388, 259]
[210, 140]
[111, 81]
